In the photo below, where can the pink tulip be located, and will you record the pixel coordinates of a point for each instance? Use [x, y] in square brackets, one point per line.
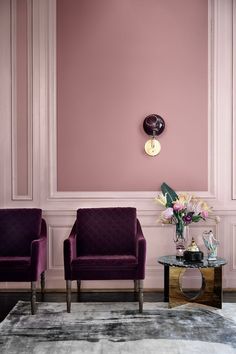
[168, 213]
[204, 214]
[178, 206]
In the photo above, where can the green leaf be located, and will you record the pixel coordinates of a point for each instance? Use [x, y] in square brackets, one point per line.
[171, 196]
[196, 218]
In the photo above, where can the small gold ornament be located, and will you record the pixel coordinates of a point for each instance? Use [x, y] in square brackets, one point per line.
[193, 247]
[193, 253]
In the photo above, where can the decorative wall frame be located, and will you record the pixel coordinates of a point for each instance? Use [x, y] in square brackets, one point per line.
[15, 122]
[128, 196]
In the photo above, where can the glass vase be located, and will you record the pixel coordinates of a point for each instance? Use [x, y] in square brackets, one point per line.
[181, 239]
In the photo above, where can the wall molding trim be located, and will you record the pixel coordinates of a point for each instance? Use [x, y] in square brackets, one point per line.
[5, 102]
[120, 196]
[234, 104]
[43, 165]
[14, 121]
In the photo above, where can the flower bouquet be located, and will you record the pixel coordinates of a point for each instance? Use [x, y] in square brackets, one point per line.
[181, 210]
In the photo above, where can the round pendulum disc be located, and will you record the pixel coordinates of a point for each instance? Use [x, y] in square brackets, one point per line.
[152, 147]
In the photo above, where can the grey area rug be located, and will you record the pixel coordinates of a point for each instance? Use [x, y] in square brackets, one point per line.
[119, 328]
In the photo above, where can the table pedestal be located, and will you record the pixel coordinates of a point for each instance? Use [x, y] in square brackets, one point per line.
[210, 293]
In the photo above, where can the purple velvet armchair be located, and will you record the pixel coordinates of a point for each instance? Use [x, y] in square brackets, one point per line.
[105, 244]
[23, 250]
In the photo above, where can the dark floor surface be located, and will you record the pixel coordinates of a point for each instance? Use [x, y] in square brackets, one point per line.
[9, 299]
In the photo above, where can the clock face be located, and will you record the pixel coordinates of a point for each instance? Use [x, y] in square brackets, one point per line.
[152, 147]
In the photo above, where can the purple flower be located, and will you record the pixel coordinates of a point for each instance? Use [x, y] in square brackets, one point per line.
[187, 218]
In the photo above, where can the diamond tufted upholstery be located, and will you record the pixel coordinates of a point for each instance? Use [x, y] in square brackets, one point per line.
[106, 232]
[23, 250]
[18, 228]
[105, 244]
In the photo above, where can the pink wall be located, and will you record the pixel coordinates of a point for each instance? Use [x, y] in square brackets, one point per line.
[22, 97]
[118, 61]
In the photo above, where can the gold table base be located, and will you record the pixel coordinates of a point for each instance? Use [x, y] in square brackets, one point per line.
[210, 293]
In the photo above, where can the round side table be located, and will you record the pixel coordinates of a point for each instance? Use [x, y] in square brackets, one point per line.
[211, 291]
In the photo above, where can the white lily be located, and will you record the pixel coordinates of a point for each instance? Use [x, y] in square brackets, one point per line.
[161, 199]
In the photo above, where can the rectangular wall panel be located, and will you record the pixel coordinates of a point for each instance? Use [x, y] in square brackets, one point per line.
[21, 62]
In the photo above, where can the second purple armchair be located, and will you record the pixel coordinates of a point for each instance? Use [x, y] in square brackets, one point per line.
[105, 244]
[23, 250]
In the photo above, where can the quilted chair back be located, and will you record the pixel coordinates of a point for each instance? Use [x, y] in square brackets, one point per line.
[18, 227]
[106, 231]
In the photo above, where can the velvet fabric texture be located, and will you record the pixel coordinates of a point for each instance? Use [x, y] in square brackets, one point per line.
[105, 244]
[23, 239]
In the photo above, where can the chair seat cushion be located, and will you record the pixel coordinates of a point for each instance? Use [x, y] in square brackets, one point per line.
[104, 261]
[14, 263]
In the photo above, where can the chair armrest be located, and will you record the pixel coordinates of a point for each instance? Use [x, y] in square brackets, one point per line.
[141, 250]
[70, 245]
[43, 232]
[39, 253]
[69, 251]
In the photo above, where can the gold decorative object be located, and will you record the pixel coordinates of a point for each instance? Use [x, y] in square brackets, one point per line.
[193, 253]
[193, 246]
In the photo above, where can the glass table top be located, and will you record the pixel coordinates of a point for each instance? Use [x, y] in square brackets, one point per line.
[172, 261]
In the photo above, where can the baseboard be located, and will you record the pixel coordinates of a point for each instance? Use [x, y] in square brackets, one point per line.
[52, 290]
[20, 290]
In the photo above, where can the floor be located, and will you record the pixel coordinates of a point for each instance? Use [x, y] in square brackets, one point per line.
[9, 299]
